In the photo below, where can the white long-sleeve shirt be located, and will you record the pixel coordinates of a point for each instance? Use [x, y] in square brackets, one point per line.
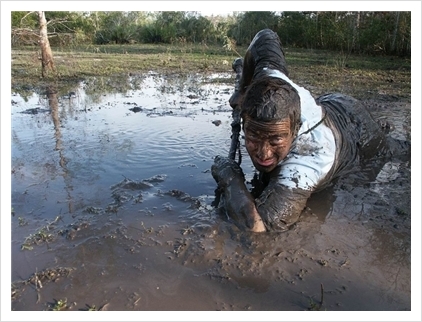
[313, 153]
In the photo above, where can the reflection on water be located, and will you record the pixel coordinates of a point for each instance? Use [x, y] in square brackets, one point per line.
[126, 163]
[95, 144]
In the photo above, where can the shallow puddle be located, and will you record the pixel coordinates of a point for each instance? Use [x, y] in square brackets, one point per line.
[113, 191]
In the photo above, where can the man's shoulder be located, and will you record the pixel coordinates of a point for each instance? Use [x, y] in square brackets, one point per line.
[311, 158]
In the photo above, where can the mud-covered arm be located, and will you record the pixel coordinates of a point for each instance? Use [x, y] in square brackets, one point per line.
[264, 51]
[280, 206]
[248, 69]
[238, 202]
[276, 209]
[306, 169]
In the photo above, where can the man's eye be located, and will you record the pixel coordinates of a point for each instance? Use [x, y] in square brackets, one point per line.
[277, 140]
[252, 136]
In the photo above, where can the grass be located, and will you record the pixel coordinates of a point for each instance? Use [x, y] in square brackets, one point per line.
[39, 279]
[320, 71]
[43, 235]
[356, 75]
[114, 59]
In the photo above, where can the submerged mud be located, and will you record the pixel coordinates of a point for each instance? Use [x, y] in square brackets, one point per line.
[112, 194]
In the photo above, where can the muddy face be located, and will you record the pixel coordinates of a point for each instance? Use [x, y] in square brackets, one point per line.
[267, 143]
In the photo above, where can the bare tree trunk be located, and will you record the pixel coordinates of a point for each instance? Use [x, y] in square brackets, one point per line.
[396, 27]
[53, 103]
[355, 43]
[46, 54]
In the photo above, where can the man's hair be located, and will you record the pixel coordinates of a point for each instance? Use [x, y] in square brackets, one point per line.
[270, 99]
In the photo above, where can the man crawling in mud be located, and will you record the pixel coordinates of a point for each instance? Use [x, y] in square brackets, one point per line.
[298, 144]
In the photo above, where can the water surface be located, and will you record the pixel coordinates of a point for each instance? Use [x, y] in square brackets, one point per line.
[112, 192]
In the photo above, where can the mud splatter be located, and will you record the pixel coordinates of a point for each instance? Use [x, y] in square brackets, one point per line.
[137, 229]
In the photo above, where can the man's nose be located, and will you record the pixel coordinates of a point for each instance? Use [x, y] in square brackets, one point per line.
[264, 150]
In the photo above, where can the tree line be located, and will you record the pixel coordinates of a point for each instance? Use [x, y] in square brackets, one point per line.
[362, 32]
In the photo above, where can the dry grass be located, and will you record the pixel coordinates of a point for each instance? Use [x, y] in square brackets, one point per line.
[320, 71]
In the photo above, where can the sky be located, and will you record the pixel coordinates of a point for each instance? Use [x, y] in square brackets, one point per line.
[206, 7]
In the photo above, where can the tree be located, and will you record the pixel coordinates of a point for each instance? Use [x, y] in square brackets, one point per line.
[47, 61]
[196, 29]
[118, 27]
[367, 32]
[24, 28]
[249, 23]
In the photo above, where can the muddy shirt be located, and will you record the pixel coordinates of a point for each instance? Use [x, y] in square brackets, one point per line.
[313, 150]
[336, 133]
[309, 165]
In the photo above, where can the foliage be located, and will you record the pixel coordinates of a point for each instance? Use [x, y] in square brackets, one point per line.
[374, 33]
[249, 23]
[118, 27]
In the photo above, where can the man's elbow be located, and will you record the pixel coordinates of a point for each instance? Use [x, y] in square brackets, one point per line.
[282, 207]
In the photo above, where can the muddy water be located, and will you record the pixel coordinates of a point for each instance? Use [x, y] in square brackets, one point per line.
[111, 197]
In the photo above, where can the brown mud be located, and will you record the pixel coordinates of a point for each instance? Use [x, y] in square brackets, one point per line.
[112, 211]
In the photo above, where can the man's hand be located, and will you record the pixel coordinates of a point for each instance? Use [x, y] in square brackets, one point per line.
[241, 208]
[235, 100]
[239, 203]
[224, 170]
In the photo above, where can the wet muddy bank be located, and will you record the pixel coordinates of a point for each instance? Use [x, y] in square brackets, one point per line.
[111, 198]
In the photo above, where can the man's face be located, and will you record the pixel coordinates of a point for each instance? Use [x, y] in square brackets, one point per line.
[267, 143]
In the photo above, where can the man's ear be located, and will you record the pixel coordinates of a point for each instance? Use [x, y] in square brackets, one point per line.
[297, 128]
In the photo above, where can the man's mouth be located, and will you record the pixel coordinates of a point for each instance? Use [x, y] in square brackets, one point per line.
[264, 163]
